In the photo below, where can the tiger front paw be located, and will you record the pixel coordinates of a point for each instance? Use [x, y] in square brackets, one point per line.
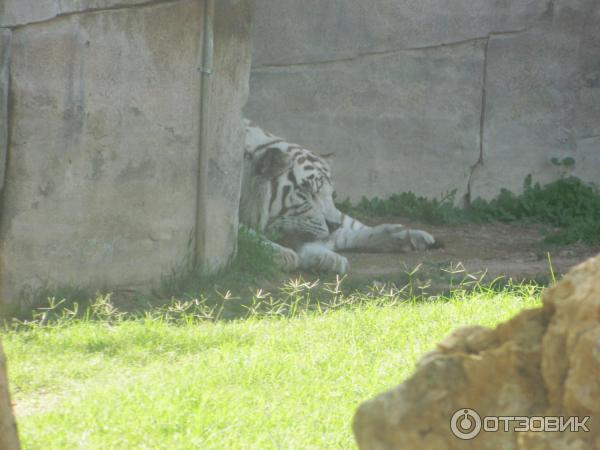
[395, 237]
[341, 265]
[421, 240]
[287, 259]
[326, 262]
[316, 257]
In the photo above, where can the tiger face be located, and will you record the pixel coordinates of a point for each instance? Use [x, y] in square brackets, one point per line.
[294, 185]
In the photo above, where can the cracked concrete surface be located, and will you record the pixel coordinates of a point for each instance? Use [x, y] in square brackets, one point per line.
[287, 31]
[257, 68]
[479, 162]
[517, 86]
[377, 109]
[26, 12]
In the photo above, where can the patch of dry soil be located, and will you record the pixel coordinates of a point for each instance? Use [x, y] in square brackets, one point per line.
[500, 250]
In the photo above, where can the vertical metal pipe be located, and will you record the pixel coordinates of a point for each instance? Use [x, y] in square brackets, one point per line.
[5, 56]
[206, 70]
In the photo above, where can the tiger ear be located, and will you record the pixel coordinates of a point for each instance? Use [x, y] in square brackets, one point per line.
[272, 163]
[328, 156]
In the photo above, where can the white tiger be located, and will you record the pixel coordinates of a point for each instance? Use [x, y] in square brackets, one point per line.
[288, 190]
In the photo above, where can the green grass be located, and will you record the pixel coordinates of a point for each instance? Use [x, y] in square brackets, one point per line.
[569, 206]
[288, 376]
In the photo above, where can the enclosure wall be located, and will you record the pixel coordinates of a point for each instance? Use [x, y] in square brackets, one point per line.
[430, 95]
[102, 119]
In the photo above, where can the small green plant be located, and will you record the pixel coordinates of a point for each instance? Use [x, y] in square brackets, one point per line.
[567, 162]
[254, 255]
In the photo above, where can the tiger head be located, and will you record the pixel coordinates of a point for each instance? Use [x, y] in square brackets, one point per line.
[286, 189]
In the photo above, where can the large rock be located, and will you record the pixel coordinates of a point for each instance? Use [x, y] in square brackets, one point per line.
[543, 362]
[9, 439]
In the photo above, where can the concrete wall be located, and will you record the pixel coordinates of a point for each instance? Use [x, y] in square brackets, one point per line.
[430, 95]
[103, 135]
[226, 133]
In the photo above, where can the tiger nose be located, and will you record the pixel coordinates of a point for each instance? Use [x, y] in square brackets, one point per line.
[332, 226]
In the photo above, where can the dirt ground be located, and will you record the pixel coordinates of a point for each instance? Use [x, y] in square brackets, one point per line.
[494, 250]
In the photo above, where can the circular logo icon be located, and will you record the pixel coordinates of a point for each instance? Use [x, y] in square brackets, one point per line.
[465, 424]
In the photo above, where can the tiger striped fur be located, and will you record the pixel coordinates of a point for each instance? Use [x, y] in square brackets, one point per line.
[288, 190]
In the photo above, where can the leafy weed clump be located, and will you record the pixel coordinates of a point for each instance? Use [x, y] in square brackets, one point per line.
[441, 211]
[569, 205]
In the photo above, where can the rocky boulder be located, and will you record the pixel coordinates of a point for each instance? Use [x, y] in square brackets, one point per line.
[8, 429]
[542, 364]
